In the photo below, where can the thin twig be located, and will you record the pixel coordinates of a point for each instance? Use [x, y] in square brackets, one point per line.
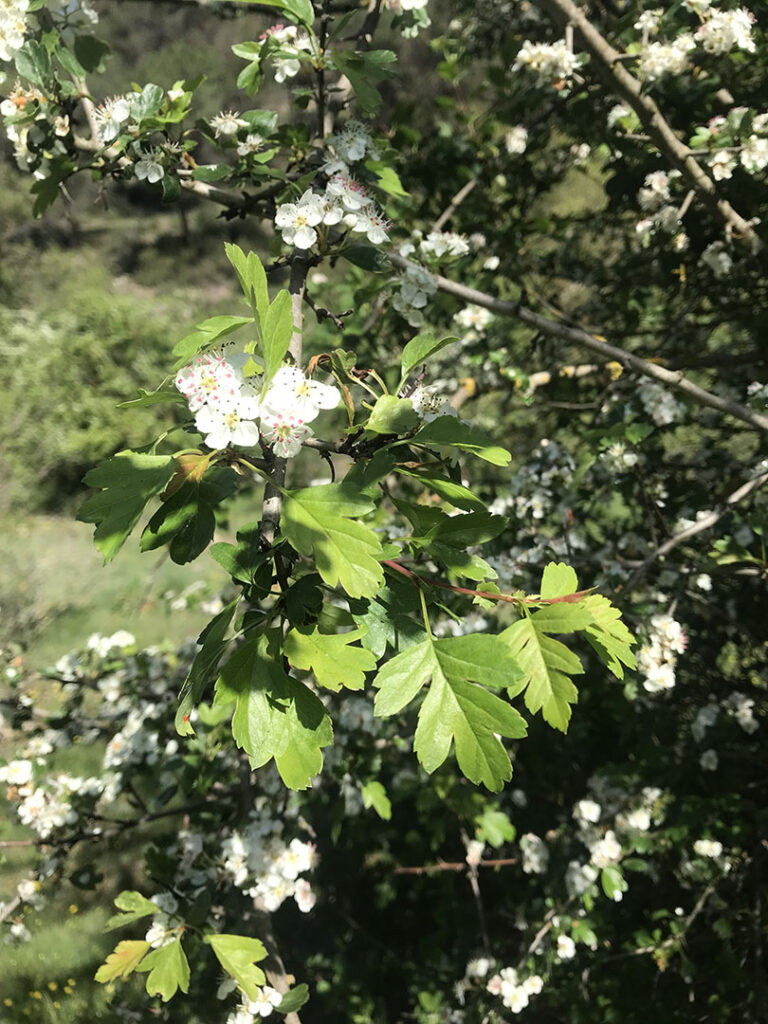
[706, 522]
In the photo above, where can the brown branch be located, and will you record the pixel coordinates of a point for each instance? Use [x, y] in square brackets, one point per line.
[9, 908]
[428, 869]
[582, 339]
[454, 204]
[706, 522]
[607, 60]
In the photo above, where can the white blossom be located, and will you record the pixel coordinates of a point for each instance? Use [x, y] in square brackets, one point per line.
[723, 31]
[606, 851]
[659, 59]
[285, 433]
[292, 394]
[110, 115]
[535, 854]
[297, 221]
[516, 140]
[717, 259]
[225, 428]
[754, 154]
[551, 62]
[566, 947]
[708, 848]
[709, 760]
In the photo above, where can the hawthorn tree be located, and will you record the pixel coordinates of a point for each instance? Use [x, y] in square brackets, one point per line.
[493, 381]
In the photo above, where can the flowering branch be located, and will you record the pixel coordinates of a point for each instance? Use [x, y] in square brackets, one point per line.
[630, 89]
[706, 522]
[581, 338]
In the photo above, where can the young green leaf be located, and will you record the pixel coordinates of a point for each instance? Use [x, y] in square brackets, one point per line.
[275, 715]
[317, 520]
[558, 580]
[122, 962]
[238, 954]
[608, 635]
[419, 349]
[449, 430]
[187, 520]
[253, 279]
[277, 330]
[204, 666]
[293, 999]
[334, 662]
[456, 710]
[206, 333]
[374, 795]
[168, 970]
[547, 665]
[392, 415]
[134, 907]
[127, 483]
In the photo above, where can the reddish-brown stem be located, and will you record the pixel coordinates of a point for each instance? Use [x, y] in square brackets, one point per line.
[509, 598]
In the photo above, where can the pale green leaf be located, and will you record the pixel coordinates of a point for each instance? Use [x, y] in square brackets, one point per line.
[420, 349]
[547, 665]
[122, 962]
[562, 618]
[375, 796]
[134, 907]
[402, 677]
[168, 970]
[334, 662]
[392, 415]
[204, 666]
[317, 521]
[238, 954]
[558, 580]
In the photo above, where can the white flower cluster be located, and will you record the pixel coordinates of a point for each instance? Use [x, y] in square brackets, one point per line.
[723, 31]
[657, 658]
[516, 140]
[227, 404]
[349, 146]
[535, 854]
[13, 26]
[436, 245]
[649, 21]
[49, 806]
[742, 709]
[579, 877]
[515, 994]
[660, 404]
[430, 405]
[717, 259]
[251, 1010]
[473, 321]
[655, 192]
[416, 287]
[618, 458]
[551, 62]
[708, 848]
[292, 41]
[606, 851]
[673, 58]
[266, 868]
[345, 202]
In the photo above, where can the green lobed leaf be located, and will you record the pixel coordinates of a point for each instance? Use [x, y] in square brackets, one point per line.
[33, 63]
[390, 618]
[122, 961]
[317, 521]
[456, 710]
[127, 482]
[168, 970]
[494, 827]
[364, 71]
[329, 656]
[134, 907]
[466, 530]
[238, 954]
[608, 635]
[547, 665]
[253, 278]
[450, 430]
[275, 715]
[449, 490]
[301, 11]
[375, 796]
[187, 520]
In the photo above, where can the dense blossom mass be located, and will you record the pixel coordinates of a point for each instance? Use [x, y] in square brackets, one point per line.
[227, 404]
